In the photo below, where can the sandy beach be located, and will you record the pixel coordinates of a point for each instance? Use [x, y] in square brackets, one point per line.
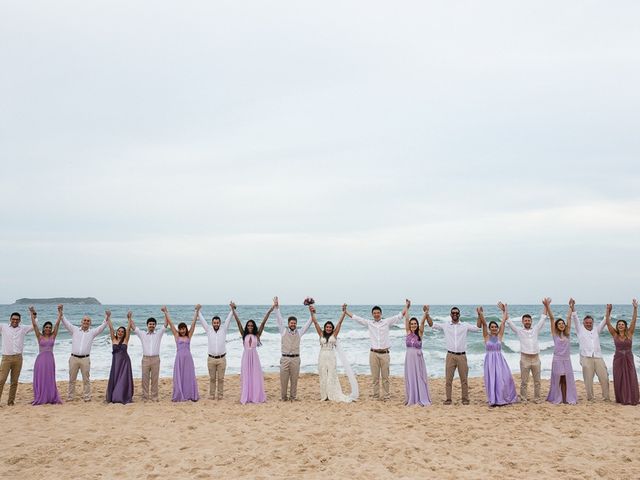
[313, 439]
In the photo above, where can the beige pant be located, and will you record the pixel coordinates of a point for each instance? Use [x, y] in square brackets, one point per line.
[592, 366]
[289, 372]
[529, 363]
[452, 363]
[379, 363]
[217, 367]
[84, 365]
[150, 376]
[13, 364]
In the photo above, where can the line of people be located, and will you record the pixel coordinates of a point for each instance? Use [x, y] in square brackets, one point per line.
[499, 385]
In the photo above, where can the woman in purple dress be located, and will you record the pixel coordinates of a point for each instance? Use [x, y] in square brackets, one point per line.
[498, 381]
[45, 389]
[625, 378]
[120, 386]
[251, 377]
[562, 387]
[416, 383]
[185, 384]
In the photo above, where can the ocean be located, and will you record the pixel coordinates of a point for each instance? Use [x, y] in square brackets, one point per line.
[354, 338]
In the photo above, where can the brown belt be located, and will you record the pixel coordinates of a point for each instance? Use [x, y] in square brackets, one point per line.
[380, 350]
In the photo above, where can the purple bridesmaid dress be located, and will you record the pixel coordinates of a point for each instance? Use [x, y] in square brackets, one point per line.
[498, 382]
[45, 389]
[416, 386]
[625, 378]
[561, 365]
[185, 384]
[120, 386]
[251, 378]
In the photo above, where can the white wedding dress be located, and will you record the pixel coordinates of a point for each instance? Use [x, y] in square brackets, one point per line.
[330, 388]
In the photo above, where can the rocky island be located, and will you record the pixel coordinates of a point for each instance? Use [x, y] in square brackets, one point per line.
[57, 300]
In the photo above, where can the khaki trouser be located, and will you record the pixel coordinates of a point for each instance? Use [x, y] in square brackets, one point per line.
[84, 365]
[289, 372]
[379, 363]
[452, 363]
[13, 364]
[217, 367]
[592, 366]
[529, 363]
[150, 375]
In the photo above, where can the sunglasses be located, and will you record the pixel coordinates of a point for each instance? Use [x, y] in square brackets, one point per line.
[455, 313]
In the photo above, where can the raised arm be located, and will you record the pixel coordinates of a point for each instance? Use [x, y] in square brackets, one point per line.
[547, 305]
[503, 323]
[279, 321]
[203, 322]
[112, 333]
[34, 321]
[572, 306]
[482, 323]
[634, 317]
[406, 322]
[227, 321]
[312, 311]
[505, 317]
[235, 315]
[427, 317]
[264, 320]
[167, 321]
[195, 319]
[336, 331]
[127, 332]
[57, 324]
[607, 318]
[422, 322]
[67, 324]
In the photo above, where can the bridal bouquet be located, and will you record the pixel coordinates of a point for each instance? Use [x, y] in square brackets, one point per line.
[308, 301]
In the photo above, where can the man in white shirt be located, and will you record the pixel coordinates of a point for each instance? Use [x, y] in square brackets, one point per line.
[591, 353]
[217, 348]
[379, 352]
[455, 336]
[290, 338]
[529, 351]
[150, 341]
[12, 346]
[81, 342]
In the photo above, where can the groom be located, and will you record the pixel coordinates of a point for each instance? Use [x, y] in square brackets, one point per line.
[290, 360]
[379, 353]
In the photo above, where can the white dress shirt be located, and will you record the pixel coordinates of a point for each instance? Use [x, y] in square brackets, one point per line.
[13, 338]
[528, 336]
[589, 340]
[455, 335]
[81, 340]
[217, 339]
[151, 341]
[379, 331]
[284, 329]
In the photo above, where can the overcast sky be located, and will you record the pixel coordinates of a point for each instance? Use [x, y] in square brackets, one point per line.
[358, 151]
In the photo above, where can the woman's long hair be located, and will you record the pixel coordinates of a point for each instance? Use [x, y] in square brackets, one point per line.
[417, 332]
[326, 335]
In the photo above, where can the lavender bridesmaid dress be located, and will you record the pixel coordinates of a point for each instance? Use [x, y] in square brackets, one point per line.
[625, 378]
[185, 385]
[416, 386]
[498, 382]
[120, 386]
[561, 365]
[45, 389]
[251, 378]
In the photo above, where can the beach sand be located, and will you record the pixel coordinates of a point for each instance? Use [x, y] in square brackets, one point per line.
[312, 439]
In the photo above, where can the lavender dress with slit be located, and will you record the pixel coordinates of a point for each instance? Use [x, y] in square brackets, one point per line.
[561, 365]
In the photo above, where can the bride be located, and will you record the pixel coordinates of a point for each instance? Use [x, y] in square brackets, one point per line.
[330, 388]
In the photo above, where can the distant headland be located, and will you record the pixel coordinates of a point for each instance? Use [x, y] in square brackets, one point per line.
[57, 300]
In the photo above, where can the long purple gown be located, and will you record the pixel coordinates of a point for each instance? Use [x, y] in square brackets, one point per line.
[185, 385]
[120, 386]
[625, 378]
[416, 386]
[561, 365]
[251, 378]
[45, 389]
[498, 382]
